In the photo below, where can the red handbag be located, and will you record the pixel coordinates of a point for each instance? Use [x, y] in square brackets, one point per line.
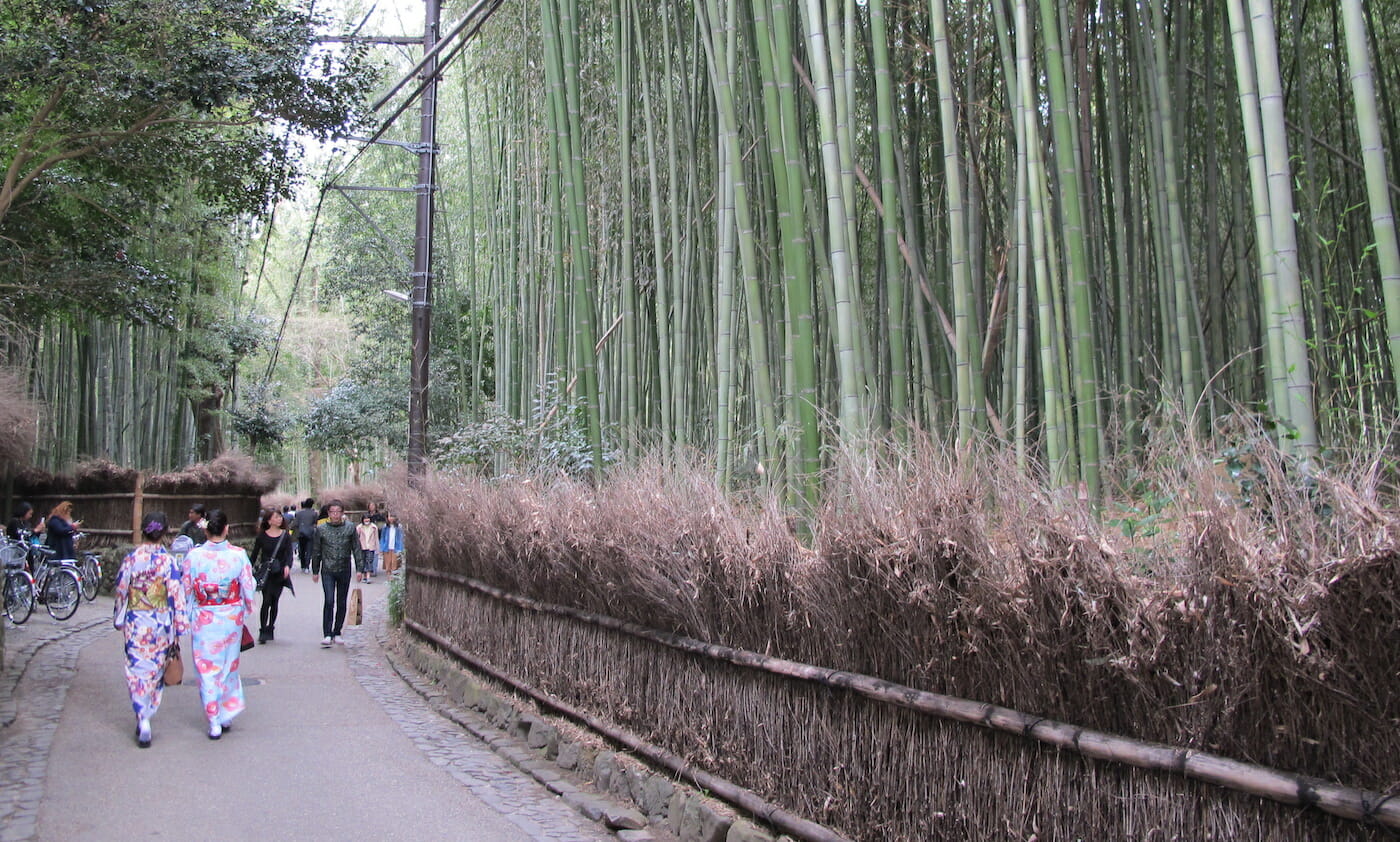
[247, 642]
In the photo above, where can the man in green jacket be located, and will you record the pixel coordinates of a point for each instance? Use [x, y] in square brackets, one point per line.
[332, 562]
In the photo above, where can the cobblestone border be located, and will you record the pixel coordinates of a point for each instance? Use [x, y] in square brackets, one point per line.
[26, 736]
[612, 788]
[17, 660]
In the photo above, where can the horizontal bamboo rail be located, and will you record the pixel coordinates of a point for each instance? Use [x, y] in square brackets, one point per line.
[129, 495]
[728, 791]
[138, 505]
[1253, 779]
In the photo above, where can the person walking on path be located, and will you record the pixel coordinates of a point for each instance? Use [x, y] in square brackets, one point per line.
[221, 581]
[152, 611]
[376, 514]
[367, 536]
[391, 544]
[61, 529]
[193, 527]
[272, 561]
[331, 563]
[304, 522]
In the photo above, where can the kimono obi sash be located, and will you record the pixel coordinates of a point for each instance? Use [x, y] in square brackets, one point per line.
[212, 593]
[150, 596]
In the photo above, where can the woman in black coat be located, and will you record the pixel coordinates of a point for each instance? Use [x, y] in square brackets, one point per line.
[272, 564]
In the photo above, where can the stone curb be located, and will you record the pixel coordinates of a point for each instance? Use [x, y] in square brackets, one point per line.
[17, 661]
[611, 788]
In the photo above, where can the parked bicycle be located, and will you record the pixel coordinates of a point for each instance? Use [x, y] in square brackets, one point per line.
[89, 569]
[58, 583]
[19, 585]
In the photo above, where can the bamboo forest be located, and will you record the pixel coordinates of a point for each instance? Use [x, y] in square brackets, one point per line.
[897, 419]
[763, 230]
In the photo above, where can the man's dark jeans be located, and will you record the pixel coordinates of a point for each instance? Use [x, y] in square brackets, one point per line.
[335, 586]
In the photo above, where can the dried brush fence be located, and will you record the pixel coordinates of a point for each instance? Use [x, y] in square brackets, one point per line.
[1265, 661]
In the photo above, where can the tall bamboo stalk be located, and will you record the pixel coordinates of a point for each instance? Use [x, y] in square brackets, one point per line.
[1377, 192]
[968, 344]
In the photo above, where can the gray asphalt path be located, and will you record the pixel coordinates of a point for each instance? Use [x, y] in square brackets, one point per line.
[331, 747]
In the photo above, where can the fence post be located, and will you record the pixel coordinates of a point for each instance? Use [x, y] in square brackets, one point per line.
[137, 504]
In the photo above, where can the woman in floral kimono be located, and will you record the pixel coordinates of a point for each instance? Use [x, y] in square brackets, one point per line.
[221, 583]
[152, 610]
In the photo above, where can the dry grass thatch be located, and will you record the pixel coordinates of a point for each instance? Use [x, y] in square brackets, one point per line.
[356, 497]
[18, 420]
[1258, 619]
[231, 473]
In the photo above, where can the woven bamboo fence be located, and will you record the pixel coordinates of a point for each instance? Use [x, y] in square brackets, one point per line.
[872, 759]
[115, 517]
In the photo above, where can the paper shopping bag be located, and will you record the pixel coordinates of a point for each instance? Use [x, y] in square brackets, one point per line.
[356, 612]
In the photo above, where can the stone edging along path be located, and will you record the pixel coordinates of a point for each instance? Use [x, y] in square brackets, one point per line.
[45, 663]
[607, 787]
[17, 660]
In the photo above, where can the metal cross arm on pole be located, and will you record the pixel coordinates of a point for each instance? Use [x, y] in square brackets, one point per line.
[411, 147]
[431, 54]
[371, 39]
[353, 187]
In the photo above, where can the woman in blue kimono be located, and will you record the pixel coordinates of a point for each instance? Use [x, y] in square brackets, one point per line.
[221, 583]
[152, 612]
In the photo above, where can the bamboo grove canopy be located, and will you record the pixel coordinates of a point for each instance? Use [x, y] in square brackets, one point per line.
[746, 224]
[761, 227]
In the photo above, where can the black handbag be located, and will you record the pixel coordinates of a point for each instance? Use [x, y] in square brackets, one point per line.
[260, 570]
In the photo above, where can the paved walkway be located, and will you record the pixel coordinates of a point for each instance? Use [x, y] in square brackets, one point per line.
[333, 746]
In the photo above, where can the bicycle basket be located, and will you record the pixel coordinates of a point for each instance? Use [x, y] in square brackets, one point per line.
[13, 555]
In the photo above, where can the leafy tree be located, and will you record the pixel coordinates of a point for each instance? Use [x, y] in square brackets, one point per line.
[214, 345]
[353, 417]
[554, 439]
[262, 420]
[107, 105]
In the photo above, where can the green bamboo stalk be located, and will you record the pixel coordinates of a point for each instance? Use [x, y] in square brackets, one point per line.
[1083, 348]
[1178, 269]
[796, 257]
[967, 350]
[894, 282]
[630, 405]
[1293, 332]
[1373, 155]
[1055, 435]
[662, 283]
[853, 416]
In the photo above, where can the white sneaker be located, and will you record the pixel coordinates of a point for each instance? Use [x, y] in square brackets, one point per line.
[340, 641]
[215, 731]
[325, 643]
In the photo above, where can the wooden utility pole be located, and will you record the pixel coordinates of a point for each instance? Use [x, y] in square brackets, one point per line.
[421, 299]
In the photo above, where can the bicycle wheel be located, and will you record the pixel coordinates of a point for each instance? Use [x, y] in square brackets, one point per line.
[19, 597]
[62, 593]
[92, 577]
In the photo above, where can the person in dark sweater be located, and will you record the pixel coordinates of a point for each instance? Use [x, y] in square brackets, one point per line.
[193, 527]
[23, 522]
[304, 522]
[332, 564]
[272, 563]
